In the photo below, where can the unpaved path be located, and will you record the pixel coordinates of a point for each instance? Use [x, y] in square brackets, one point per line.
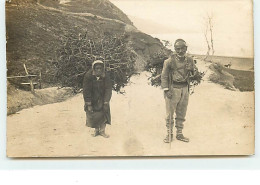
[82, 14]
[219, 121]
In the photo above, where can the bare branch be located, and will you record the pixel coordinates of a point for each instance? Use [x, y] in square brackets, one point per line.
[209, 37]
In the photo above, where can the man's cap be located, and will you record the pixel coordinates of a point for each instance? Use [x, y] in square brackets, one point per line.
[180, 42]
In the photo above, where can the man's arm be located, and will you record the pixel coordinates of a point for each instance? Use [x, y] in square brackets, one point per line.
[192, 66]
[165, 75]
[195, 69]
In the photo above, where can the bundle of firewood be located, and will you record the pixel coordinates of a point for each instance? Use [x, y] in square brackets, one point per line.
[77, 54]
[155, 66]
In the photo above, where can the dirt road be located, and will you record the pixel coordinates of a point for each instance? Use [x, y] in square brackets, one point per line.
[219, 122]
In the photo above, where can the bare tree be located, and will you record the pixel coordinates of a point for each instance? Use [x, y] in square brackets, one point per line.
[206, 38]
[210, 19]
[208, 34]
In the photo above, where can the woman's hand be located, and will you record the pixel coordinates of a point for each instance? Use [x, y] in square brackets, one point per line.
[90, 108]
[106, 107]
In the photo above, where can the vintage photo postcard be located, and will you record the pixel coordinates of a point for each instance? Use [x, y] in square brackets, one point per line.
[99, 78]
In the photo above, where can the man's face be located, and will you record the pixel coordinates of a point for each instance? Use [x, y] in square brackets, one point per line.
[98, 68]
[180, 48]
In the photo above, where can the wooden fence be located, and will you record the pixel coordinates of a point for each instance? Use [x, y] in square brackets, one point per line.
[30, 78]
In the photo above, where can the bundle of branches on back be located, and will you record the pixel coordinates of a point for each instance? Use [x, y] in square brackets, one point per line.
[77, 54]
[155, 66]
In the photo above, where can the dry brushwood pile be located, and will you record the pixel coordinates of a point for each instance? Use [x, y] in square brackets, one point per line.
[77, 54]
[155, 66]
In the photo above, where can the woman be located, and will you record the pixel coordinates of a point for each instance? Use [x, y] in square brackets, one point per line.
[97, 92]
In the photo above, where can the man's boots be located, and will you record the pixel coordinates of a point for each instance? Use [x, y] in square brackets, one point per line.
[180, 137]
[167, 138]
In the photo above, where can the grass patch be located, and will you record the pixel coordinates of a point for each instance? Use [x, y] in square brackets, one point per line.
[231, 78]
[220, 76]
[244, 80]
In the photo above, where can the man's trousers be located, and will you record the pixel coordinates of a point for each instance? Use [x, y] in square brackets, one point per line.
[178, 105]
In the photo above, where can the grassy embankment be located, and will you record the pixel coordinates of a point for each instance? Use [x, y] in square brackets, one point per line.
[239, 76]
[19, 99]
[232, 78]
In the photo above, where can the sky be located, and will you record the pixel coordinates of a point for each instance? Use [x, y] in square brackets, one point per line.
[232, 21]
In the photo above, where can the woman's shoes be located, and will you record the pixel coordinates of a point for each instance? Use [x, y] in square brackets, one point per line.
[104, 134]
[95, 134]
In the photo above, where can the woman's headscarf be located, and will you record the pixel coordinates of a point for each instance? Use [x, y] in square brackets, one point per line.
[98, 62]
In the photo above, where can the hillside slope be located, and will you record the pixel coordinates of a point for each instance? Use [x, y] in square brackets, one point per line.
[34, 29]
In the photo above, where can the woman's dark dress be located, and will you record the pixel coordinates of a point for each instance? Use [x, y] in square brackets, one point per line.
[95, 93]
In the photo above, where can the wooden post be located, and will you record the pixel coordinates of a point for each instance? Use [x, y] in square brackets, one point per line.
[30, 79]
[40, 80]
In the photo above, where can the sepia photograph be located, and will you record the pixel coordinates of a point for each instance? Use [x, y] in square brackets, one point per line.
[129, 78]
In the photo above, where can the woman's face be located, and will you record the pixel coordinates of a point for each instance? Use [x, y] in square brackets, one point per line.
[98, 68]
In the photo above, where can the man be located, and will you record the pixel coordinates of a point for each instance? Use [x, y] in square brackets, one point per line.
[176, 72]
[97, 92]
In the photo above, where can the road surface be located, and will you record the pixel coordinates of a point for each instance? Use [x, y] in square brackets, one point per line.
[218, 122]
